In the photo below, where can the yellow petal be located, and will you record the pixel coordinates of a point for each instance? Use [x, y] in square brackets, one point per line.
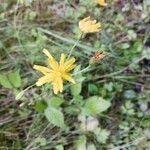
[62, 59]
[57, 85]
[47, 53]
[55, 89]
[42, 69]
[68, 77]
[69, 68]
[60, 84]
[43, 80]
[52, 62]
[69, 63]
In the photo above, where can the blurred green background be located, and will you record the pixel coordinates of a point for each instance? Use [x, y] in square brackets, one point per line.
[121, 78]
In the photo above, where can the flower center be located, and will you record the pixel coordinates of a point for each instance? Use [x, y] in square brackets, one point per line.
[58, 73]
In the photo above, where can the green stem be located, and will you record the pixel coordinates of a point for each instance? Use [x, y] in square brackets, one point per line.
[19, 95]
[75, 44]
[84, 70]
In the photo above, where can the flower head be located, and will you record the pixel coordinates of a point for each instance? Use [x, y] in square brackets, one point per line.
[57, 72]
[87, 25]
[102, 2]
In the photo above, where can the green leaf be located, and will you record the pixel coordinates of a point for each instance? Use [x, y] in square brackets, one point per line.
[95, 105]
[92, 106]
[132, 35]
[59, 147]
[81, 143]
[54, 116]
[21, 1]
[72, 110]
[101, 135]
[40, 106]
[146, 122]
[55, 101]
[5, 82]
[78, 100]
[32, 15]
[91, 147]
[109, 86]
[125, 45]
[104, 105]
[76, 89]
[15, 79]
[92, 88]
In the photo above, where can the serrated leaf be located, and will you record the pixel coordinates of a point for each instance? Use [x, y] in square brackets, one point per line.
[109, 86]
[81, 143]
[54, 116]
[92, 88]
[92, 106]
[104, 105]
[95, 105]
[76, 89]
[59, 147]
[102, 135]
[15, 79]
[91, 147]
[40, 106]
[5, 82]
[72, 110]
[55, 101]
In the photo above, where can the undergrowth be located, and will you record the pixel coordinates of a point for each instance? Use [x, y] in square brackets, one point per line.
[107, 108]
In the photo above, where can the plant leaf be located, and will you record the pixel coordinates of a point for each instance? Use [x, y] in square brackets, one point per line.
[55, 101]
[104, 105]
[15, 78]
[54, 116]
[92, 88]
[76, 89]
[81, 143]
[5, 82]
[102, 135]
[40, 106]
[95, 105]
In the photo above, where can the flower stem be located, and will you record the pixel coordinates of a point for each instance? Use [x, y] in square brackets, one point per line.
[75, 44]
[84, 70]
[19, 95]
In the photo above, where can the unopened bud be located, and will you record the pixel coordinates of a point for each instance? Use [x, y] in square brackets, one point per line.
[97, 57]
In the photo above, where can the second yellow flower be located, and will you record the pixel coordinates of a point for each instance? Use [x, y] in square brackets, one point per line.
[87, 25]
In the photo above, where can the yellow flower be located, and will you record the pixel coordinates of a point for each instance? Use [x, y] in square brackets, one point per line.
[102, 2]
[57, 72]
[87, 25]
